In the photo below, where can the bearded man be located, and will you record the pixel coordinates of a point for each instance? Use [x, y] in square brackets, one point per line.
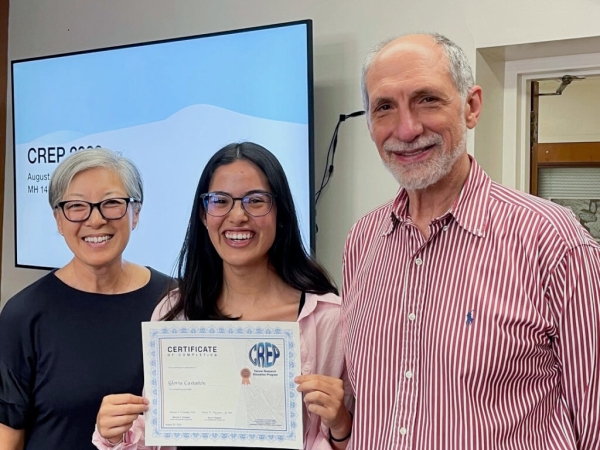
[470, 311]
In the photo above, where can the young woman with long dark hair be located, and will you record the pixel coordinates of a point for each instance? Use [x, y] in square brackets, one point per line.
[243, 259]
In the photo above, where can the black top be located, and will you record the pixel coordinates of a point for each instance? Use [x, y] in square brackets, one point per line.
[62, 350]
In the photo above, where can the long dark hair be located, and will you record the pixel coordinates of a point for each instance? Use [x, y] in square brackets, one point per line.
[200, 268]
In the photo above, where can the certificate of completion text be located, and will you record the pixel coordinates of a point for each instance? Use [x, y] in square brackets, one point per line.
[222, 383]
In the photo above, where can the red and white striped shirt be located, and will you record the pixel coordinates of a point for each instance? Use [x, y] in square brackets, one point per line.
[484, 336]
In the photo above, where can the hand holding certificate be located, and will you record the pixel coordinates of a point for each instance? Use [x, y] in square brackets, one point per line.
[222, 384]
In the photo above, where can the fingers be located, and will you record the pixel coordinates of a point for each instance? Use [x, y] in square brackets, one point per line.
[324, 396]
[331, 409]
[114, 434]
[316, 377]
[118, 412]
[319, 382]
[324, 399]
[122, 405]
[122, 399]
[321, 389]
[327, 414]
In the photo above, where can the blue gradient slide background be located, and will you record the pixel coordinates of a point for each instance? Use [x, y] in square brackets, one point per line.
[167, 106]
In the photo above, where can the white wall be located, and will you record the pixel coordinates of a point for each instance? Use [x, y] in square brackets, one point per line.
[488, 135]
[344, 30]
[573, 116]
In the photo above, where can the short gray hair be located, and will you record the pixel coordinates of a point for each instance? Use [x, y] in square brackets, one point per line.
[458, 65]
[91, 159]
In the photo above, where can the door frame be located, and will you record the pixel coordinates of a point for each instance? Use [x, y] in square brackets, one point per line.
[515, 136]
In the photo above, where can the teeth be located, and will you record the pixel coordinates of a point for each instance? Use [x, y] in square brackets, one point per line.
[96, 239]
[412, 152]
[238, 236]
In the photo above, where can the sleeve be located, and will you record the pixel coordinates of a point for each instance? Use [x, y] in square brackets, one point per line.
[350, 260]
[574, 295]
[134, 439]
[330, 361]
[330, 356]
[322, 440]
[17, 365]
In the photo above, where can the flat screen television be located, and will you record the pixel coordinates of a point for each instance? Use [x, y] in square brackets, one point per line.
[168, 106]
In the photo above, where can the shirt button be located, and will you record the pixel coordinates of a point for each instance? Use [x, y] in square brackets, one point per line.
[445, 228]
[408, 374]
[403, 431]
[418, 261]
[412, 316]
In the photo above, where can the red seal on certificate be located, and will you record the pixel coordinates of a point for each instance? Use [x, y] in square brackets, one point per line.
[245, 373]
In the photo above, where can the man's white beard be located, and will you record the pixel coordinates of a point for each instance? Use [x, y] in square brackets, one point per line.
[423, 174]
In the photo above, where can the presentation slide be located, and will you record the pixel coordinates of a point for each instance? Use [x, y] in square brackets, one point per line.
[168, 107]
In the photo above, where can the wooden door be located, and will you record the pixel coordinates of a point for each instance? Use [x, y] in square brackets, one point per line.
[3, 112]
[555, 154]
[534, 108]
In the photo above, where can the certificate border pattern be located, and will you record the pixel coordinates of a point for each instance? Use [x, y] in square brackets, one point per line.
[208, 434]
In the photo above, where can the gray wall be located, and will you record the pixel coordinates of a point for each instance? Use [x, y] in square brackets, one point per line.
[344, 30]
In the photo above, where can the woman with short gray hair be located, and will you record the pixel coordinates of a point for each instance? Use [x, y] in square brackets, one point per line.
[62, 338]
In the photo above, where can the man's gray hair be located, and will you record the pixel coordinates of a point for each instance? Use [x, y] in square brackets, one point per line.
[91, 159]
[458, 65]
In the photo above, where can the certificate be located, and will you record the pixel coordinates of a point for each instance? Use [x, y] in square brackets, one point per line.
[222, 383]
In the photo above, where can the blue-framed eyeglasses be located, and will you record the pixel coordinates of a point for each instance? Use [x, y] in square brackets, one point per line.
[257, 204]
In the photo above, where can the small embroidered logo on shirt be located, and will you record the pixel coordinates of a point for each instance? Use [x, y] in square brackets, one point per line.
[470, 317]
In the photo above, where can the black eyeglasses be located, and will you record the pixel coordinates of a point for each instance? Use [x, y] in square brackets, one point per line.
[256, 204]
[110, 209]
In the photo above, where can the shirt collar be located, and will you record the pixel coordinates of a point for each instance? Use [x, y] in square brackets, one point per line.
[312, 300]
[470, 210]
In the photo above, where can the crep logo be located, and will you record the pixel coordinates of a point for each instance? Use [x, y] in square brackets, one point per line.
[263, 354]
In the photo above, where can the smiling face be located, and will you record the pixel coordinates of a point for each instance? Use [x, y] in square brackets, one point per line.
[417, 118]
[97, 243]
[240, 239]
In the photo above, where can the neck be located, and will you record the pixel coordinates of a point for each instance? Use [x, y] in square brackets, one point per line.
[248, 283]
[434, 201]
[111, 279]
[257, 293]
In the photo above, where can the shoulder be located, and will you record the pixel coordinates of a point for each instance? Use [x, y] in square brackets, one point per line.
[25, 310]
[158, 275]
[534, 215]
[370, 225]
[324, 308]
[323, 300]
[374, 217]
[159, 282]
[34, 297]
[165, 305]
[320, 325]
[364, 233]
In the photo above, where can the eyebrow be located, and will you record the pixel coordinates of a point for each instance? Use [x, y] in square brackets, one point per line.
[379, 100]
[253, 191]
[76, 194]
[425, 92]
